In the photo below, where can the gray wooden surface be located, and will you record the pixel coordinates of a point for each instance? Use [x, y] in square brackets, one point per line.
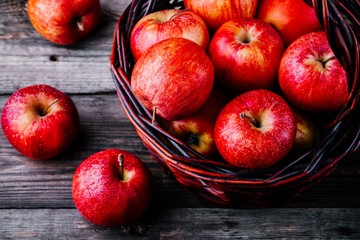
[35, 197]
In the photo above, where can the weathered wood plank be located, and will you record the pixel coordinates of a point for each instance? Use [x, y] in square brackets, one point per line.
[188, 223]
[27, 58]
[31, 184]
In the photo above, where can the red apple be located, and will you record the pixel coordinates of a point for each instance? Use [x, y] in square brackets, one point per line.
[64, 22]
[40, 121]
[197, 130]
[166, 24]
[217, 12]
[175, 76]
[111, 188]
[255, 130]
[246, 54]
[311, 77]
[307, 133]
[291, 18]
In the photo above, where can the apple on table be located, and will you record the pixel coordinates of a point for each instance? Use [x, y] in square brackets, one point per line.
[164, 24]
[40, 121]
[112, 188]
[64, 22]
[255, 129]
[246, 54]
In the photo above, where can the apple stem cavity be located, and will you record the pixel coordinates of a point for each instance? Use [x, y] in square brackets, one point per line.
[121, 166]
[323, 62]
[43, 113]
[252, 120]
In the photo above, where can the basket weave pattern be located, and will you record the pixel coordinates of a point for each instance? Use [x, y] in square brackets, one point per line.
[224, 183]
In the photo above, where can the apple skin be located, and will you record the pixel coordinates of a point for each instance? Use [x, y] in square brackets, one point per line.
[64, 22]
[307, 132]
[311, 77]
[165, 24]
[197, 130]
[105, 198]
[217, 12]
[175, 75]
[291, 18]
[260, 145]
[246, 54]
[40, 121]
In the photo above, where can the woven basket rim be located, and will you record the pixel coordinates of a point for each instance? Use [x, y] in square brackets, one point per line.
[339, 142]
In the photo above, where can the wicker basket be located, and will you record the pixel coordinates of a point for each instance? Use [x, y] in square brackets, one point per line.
[217, 180]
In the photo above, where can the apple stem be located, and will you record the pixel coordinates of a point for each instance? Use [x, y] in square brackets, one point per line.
[327, 60]
[252, 120]
[47, 108]
[153, 119]
[121, 165]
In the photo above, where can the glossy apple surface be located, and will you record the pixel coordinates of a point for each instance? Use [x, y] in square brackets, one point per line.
[217, 12]
[169, 23]
[246, 54]
[255, 130]
[311, 77]
[175, 76]
[40, 121]
[64, 22]
[108, 193]
[291, 18]
[197, 130]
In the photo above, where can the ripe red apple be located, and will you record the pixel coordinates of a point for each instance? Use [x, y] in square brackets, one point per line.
[291, 18]
[217, 12]
[40, 121]
[175, 76]
[64, 22]
[307, 133]
[197, 130]
[246, 54]
[169, 23]
[311, 77]
[255, 130]
[111, 188]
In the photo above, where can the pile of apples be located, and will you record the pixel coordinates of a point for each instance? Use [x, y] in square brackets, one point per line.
[243, 79]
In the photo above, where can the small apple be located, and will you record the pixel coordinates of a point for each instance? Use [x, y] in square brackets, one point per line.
[175, 76]
[311, 77]
[165, 24]
[246, 54]
[217, 12]
[112, 188]
[197, 130]
[64, 22]
[255, 130]
[40, 121]
[307, 133]
[291, 18]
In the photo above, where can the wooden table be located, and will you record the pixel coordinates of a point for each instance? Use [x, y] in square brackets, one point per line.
[35, 197]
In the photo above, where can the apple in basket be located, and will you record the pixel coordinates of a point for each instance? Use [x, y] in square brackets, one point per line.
[291, 18]
[165, 24]
[175, 77]
[64, 22]
[311, 77]
[111, 188]
[246, 54]
[197, 130]
[40, 121]
[217, 12]
[255, 129]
